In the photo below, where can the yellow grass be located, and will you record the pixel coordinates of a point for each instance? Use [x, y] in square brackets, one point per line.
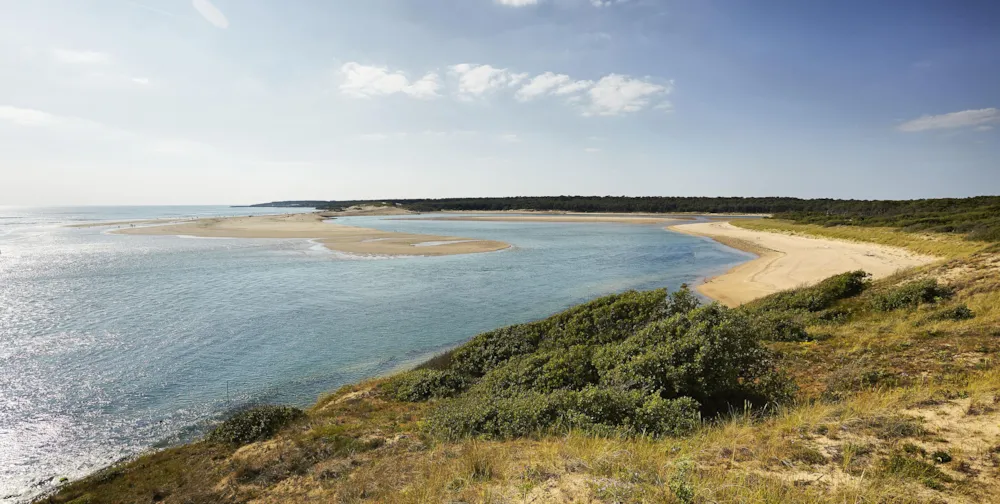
[936, 244]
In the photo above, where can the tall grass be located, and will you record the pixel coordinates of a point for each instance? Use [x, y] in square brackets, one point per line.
[934, 244]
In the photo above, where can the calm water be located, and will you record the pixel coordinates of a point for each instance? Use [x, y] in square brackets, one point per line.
[113, 344]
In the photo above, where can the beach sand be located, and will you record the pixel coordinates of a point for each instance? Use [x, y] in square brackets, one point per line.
[787, 261]
[349, 239]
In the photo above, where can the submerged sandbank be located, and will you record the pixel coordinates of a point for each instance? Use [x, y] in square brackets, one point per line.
[349, 239]
[786, 261]
[554, 217]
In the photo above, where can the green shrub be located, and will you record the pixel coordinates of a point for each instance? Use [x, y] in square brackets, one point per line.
[910, 295]
[254, 424]
[960, 312]
[424, 384]
[623, 365]
[779, 326]
[599, 410]
[815, 298]
[490, 349]
[710, 354]
[613, 318]
[542, 372]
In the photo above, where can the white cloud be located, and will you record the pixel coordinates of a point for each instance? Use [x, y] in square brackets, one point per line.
[516, 3]
[72, 57]
[510, 138]
[478, 80]
[541, 85]
[985, 127]
[606, 3]
[143, 81]
[211, 13]
[574, 87]
[619, 94]
[951, 120]
[363, 81]
[548, 82]
[591, 150]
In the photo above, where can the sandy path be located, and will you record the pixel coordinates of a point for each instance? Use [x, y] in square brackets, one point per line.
[787, 261]
[350, 239]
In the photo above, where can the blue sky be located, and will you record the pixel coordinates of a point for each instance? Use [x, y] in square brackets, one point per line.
[241, 101]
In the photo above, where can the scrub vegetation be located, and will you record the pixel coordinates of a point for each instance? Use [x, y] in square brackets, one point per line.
[851, 390]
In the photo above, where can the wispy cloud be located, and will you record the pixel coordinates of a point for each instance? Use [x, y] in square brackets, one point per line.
[479, 80]
[620, 94]
[211, 13]
[548, 82]
[74, 57]
[364, 81]
[952, 120]
[516, 3]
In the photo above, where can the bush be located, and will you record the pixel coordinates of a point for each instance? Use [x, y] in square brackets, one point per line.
[815, 298]
[910, 295]
[960, 312]
[779, 326]
[598, 410]
[622, 365]
[424, 384]
[254, 424]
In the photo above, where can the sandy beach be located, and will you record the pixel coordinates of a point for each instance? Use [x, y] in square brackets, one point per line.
[349, 239]
[787, 261]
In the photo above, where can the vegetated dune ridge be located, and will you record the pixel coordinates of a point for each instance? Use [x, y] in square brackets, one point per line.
[786, 261]
[348, 239]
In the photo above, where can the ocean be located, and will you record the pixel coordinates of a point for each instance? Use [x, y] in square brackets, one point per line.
[111, 345]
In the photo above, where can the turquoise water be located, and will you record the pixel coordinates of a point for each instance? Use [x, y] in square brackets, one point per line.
[113, 344]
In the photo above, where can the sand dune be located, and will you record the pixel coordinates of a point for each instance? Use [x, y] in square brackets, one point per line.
[350, 239]
[786, 261]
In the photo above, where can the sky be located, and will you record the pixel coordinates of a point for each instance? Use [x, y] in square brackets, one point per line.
[136, 102]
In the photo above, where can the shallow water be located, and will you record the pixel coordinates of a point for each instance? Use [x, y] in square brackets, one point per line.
[112, 344]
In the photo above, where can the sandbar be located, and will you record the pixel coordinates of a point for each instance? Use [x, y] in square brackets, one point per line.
[348, 239]
[787, 261]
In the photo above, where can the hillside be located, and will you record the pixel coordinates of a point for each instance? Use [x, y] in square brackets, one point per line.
[849, 391]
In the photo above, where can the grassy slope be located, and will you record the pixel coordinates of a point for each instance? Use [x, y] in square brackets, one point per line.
[925, 386]
[936, 244]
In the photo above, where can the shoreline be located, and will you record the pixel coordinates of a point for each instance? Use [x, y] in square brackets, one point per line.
[788, 261]
[314, 226]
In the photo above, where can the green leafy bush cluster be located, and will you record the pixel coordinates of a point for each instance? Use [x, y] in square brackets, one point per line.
[633, 363]
[959, 312]
[910, 295]
[254, 424]
[783, 316]
[424, 384]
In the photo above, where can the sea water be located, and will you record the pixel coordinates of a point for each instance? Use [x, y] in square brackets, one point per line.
[114, 344]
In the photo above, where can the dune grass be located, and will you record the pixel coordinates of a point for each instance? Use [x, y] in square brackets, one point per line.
[934, 244]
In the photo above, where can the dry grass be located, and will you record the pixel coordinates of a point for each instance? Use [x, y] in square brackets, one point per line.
[935, 244]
